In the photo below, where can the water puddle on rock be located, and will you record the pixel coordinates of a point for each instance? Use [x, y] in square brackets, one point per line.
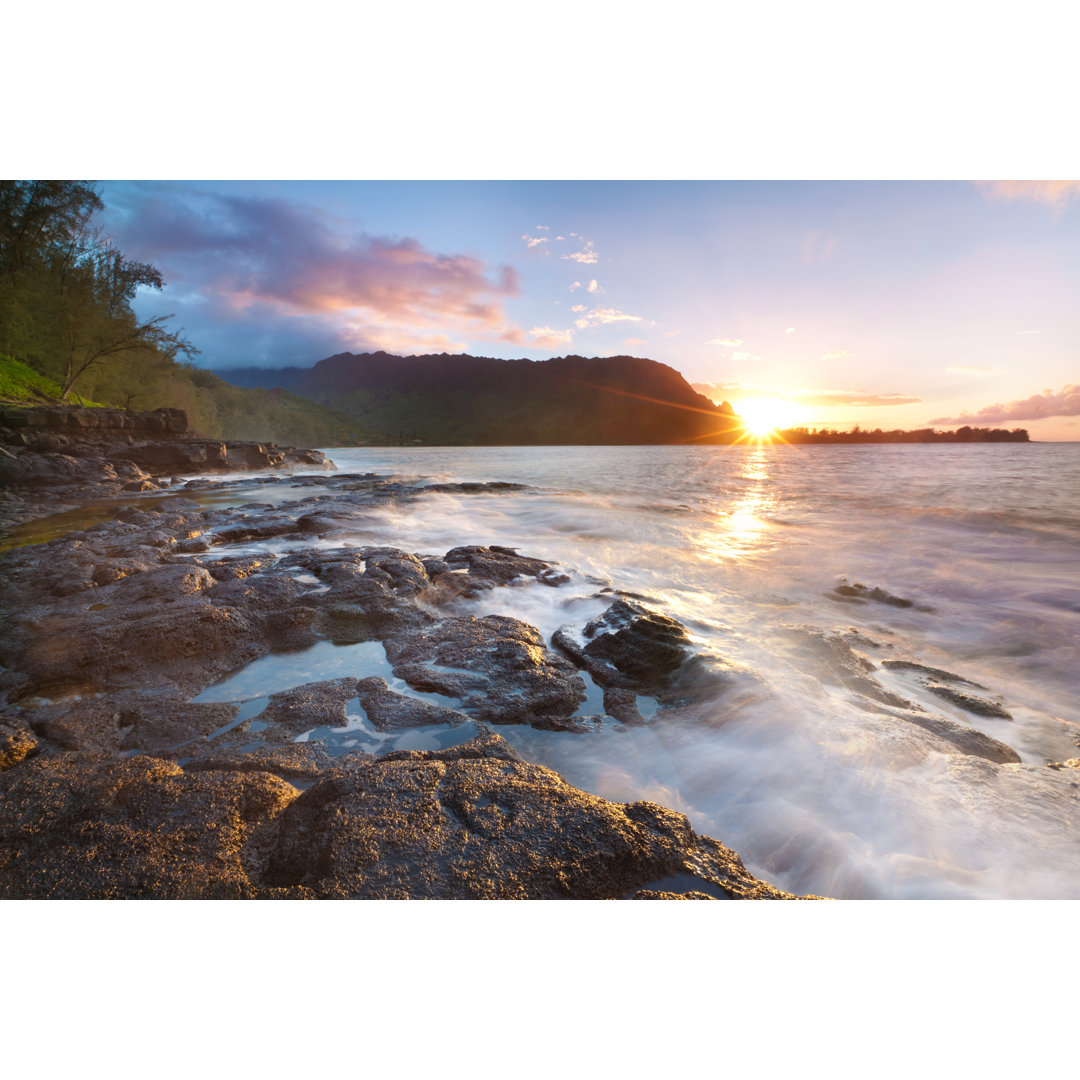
[280, 671]
[253, 685]
[359, 733]
[42, 530]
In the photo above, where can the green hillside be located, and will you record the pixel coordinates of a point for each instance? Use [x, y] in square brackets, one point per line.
[20, 382]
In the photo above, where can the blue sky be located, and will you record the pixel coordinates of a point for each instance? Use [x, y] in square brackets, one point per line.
[879, 303]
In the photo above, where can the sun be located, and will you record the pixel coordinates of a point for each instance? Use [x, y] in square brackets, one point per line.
[762, 416]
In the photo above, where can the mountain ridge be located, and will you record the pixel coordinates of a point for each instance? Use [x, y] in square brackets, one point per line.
[460, 399]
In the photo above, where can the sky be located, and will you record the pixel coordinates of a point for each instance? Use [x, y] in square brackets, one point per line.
[879, 303]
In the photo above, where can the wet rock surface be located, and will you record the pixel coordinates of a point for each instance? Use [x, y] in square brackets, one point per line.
[628, 647]
[477, 822]
[499, 668]
[858, 593]
[838, 664]
[472, 822]
[114, 782]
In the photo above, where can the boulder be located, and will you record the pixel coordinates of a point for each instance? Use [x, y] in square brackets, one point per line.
[476, 822]
[628, 647]
[498, 667]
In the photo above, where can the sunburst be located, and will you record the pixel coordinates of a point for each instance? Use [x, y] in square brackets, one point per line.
[764, 416]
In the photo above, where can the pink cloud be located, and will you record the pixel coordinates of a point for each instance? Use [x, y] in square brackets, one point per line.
[820, 398]
[1053, 193]
[402, 343]
[817, 246]
[296, 264]
[1064, 402]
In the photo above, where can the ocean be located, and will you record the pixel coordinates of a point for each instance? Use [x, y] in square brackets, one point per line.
[958, 569]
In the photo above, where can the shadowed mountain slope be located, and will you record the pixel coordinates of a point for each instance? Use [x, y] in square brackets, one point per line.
[463, 400]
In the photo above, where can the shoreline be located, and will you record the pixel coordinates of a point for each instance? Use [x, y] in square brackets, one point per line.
[117, 781]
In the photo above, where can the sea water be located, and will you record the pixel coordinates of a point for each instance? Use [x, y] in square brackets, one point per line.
[745, 545]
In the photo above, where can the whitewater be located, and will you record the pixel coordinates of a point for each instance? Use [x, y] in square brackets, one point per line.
[770, 556]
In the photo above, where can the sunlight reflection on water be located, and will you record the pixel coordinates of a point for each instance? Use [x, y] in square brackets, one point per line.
[741, 530]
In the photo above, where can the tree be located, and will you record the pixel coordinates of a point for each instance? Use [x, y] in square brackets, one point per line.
[66, 292]
[96, 285]
[39, 216]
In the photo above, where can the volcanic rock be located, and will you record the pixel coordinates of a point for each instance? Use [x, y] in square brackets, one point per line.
[497, 666]
[629, 647]
[475, 822]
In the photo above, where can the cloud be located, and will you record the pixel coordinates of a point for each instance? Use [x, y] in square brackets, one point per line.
[575, 285]
[403, 343]
[672, 333]
[272, 281]
[602, 316]
[1064, 402]
[1056, 194]
[542, 228]
[790, 330]
[586, 255]
[851, 398]
[536, 241]
[731, 342]
[838, 355]
[819, 398]
[543, 337]
[817, 246]
[578, 307]
[969, 369]
[635, 341]
[594, 286]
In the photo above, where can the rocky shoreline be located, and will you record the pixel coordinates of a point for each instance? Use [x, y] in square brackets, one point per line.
[120, 779]
[61, 457]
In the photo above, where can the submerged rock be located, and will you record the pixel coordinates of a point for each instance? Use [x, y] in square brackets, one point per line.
[837, 664]
[932, 678]
[860, 594]
[970, 702]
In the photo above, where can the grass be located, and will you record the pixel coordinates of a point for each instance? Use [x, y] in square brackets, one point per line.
[22, 385]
